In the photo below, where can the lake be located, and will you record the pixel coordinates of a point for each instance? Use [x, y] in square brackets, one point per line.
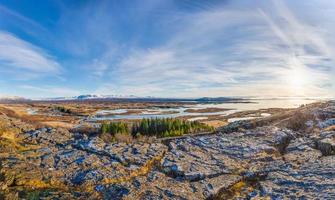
[255, 104]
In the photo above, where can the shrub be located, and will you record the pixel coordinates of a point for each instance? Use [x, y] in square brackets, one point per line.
[298, 121]
[126, 138]
[63, 109]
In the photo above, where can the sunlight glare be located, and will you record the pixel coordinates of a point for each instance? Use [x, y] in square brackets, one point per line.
[297, 77]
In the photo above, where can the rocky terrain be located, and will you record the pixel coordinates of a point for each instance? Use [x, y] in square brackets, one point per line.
[290, 155]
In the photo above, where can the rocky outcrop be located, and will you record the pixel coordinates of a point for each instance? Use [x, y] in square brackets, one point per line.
[326, 143]
[61, 161]
[243, 162]
[310, 180]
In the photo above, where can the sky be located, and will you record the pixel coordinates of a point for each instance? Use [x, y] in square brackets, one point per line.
[167, 48]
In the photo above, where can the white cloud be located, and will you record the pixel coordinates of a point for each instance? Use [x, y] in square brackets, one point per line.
[17, 55]
[243, 48]
[229, 51]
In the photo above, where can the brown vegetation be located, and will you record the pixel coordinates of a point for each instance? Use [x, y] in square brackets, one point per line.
[298, 121]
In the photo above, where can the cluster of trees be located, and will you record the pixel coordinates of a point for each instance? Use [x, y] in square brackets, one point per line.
[114, 128]
[167, 127]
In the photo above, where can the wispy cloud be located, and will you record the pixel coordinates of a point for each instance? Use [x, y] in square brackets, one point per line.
[225, 50]
[17, 55]
[29, 23]
[183, 48]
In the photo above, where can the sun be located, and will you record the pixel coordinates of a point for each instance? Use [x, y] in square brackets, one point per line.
[297, 77]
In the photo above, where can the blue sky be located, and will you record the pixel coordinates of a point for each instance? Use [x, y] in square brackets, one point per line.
[167, 48]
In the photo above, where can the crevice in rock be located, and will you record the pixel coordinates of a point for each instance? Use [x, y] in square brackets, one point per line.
[99, 153]
[149, 166]
[282, 142]
[240, 189]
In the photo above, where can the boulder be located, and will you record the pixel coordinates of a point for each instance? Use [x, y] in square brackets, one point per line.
[326, 146]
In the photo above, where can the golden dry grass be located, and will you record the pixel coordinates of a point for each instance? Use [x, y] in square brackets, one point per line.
[58, 124]
[330, 128]
[215, 123]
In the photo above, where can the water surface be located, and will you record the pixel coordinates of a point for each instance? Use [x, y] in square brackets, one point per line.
[255, 104]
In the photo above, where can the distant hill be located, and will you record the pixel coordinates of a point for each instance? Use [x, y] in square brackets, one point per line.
[12, 99]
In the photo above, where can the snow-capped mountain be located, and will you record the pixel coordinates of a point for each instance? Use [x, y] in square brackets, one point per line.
[89, 96]
[92, 96]
[12, 98]
[95, 96]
